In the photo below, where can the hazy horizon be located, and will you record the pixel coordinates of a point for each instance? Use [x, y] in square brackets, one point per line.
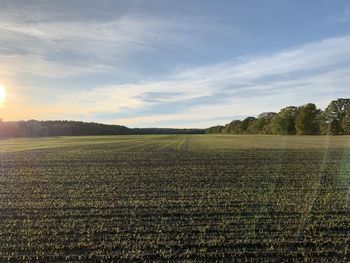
[170, 64]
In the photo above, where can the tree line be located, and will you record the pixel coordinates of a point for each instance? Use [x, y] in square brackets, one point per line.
[293, 120]
[34, 128]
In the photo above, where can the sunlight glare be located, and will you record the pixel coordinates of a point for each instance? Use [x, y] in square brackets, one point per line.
[2, 95]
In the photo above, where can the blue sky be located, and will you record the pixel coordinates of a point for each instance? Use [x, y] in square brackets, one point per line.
[170, 63]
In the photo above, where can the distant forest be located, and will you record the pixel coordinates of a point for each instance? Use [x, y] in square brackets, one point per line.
[34, 128]
[292, 120]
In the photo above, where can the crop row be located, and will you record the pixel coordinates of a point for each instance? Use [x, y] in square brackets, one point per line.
[172, 199]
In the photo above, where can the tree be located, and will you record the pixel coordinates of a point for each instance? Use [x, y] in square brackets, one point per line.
[330, 126]
[247, 124]
[307, 120]
[334, 115]
[264, 121]
[214, 129]
[33, 128]
[257, 126]
[234, 127]
[346, 123]
[284, 122]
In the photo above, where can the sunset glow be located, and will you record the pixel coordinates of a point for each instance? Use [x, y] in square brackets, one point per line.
[2, 95]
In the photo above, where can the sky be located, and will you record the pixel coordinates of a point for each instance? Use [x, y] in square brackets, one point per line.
[165, 63]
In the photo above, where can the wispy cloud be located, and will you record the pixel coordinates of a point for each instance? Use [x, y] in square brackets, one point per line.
[63, 49]
[312, 72]
[47, 47]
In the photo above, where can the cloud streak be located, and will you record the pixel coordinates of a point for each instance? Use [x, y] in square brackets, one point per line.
[313, 72]
[89, 66]
[74, 48]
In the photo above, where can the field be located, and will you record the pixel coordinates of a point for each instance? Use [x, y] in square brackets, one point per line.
[183, 197]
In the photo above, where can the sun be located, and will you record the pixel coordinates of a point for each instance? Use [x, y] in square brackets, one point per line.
[2, 95]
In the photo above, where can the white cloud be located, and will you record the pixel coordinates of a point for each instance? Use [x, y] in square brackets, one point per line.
[102, 99]
[315, 72]
[312, 72]
[66, 49]
[39, 65]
